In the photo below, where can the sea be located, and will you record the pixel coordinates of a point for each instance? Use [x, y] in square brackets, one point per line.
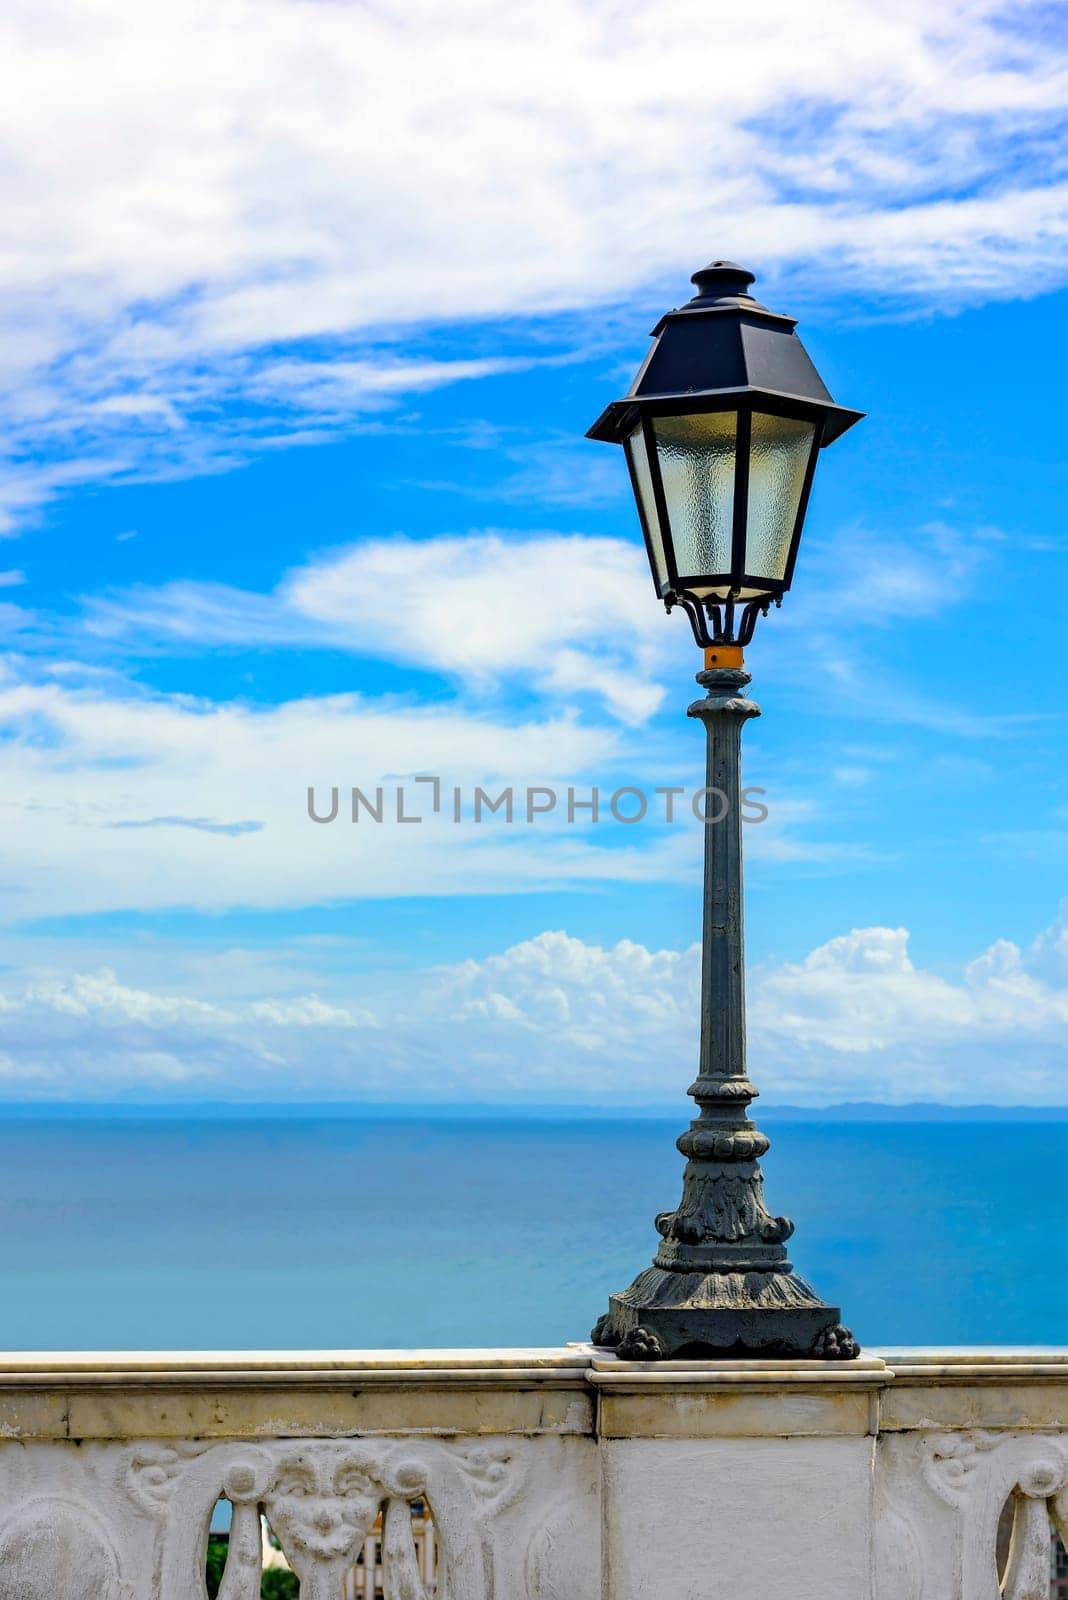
[339, 1229]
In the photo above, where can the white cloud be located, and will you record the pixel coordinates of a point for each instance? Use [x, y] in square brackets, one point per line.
[330, 391]
[190, 184]
[210, 422]
[565, 615]
[855, 1019]
[575, 618]
[568, 613]
[878, 579]
[555, 1019]
[117, 799]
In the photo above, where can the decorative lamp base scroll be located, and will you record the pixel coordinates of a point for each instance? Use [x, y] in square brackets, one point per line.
[660, 1320]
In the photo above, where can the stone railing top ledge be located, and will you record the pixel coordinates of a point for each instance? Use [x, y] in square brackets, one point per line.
[573, 1363]
[973, 1355]
[572, 1390]
[957, 1366]
[289, 1367]
[607, 1371]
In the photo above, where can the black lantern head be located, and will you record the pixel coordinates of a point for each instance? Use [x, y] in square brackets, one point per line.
[722, 427]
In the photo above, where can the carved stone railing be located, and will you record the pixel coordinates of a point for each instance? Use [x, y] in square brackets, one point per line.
[549, 1475]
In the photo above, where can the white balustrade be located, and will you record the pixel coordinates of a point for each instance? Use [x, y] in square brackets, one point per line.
[548, 1474]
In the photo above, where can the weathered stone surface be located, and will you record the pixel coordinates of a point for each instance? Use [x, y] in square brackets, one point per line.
[51, 1548]
[767, 1519]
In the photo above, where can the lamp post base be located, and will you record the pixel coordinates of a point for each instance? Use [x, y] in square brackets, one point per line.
[776, 1315]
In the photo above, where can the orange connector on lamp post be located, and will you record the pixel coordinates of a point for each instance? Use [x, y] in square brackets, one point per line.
[723, 655]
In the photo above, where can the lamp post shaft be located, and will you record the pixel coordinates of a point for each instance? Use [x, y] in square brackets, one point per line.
[720, 1282]
[723, 712]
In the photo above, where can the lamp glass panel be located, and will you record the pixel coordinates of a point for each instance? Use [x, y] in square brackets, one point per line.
[778, 456]
[638, 456]
[697, 457]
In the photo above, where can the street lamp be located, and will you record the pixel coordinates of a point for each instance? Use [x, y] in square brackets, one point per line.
[722, 427]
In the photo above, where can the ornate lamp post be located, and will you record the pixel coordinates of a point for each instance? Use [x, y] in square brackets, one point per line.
[722, 427]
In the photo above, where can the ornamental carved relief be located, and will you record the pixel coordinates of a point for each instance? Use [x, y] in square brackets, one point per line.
[942, 1499]
[130, 1519]
[321, 1499]
[726, 1207]
[951, 1460]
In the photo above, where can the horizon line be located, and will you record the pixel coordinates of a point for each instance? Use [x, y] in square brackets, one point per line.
[858, 1110]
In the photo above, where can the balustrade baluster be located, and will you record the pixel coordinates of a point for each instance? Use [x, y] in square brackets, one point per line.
[243, 1573]
[1027, 1576]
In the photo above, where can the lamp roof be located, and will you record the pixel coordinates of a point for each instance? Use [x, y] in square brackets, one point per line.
[722, 343]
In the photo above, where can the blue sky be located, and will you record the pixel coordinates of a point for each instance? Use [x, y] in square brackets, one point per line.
[302, 326]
